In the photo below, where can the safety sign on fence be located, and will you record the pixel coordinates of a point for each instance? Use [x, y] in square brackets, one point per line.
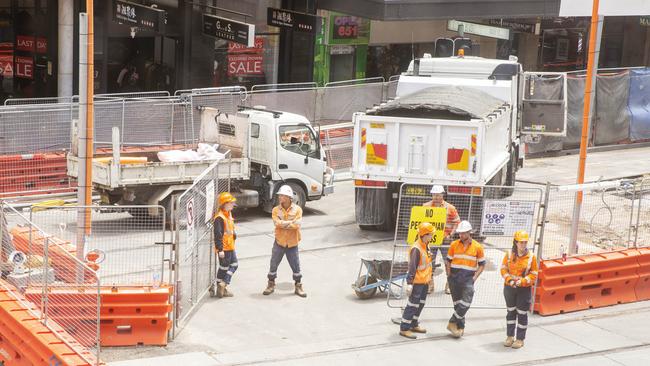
[437, 216]
[189, 214]
[503, 218]
[209, 201]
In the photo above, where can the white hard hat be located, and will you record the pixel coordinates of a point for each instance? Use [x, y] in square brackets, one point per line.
[286, 191]
[464, 227]
[437, 189]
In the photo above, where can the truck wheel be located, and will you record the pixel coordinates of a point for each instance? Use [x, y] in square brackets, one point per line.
[299, 195]
[389, 212]
[368, 227]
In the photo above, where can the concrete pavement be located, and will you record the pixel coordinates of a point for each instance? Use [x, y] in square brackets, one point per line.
[332, 326]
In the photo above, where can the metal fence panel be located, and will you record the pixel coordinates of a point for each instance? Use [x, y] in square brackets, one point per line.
[64, 291]
[640, 229]
[509, 209]
[299, 101]
[195, 261]
[337, 143]
[605, 219]
[338, 103]
[129, 239]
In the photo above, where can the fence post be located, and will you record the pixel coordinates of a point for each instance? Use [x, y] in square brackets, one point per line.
[542, 223]
[44, 296]
[638, 213]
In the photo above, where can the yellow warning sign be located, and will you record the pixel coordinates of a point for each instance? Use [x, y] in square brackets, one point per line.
[437, 216]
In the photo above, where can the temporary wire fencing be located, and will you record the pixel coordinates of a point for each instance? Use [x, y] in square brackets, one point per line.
[194, 258]
[495, 213]
[38, 133]
[63, 291]
[137, 258]
[614, 215]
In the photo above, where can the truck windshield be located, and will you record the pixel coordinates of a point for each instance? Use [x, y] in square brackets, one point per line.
[300, 140]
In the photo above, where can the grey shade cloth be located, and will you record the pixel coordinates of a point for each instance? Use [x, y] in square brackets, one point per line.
[612, 121]
[575, 94]
[639, 104]
[456, 99]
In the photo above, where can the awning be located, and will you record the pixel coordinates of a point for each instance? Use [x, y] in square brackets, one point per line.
[443, 9]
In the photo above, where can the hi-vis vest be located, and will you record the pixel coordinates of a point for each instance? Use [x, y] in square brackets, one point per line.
[424, 269]
[228, 231]
[524, 267]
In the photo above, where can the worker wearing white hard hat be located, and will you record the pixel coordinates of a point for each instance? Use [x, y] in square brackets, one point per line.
[287, 218]
[465, 263]
[437, 200]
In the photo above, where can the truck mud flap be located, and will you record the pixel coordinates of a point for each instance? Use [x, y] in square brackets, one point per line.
[370, 205]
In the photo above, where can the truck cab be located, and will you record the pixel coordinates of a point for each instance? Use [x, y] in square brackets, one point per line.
[285, 149]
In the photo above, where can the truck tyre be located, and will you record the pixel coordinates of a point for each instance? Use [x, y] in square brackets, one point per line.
[300, 197]
[389, 212]
[368, 227]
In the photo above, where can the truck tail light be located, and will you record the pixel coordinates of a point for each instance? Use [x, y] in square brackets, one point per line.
[465, 190]
[370, 183]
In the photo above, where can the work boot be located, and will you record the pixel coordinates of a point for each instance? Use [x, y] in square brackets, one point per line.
[431, 287]
[270, 287]
[461, 332]
[509, 341]
[221, 289]
[418, 329]
[227, 293]
[447, 291]
[299, 290]
[453, 329]
[407, 334]
[518, 344]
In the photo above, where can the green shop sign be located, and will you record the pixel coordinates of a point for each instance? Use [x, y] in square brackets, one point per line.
[348, 29]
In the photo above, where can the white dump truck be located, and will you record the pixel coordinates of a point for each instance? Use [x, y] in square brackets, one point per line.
[455, 121]
[260, 150]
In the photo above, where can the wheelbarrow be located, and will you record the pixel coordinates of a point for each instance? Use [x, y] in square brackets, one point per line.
[378, 274]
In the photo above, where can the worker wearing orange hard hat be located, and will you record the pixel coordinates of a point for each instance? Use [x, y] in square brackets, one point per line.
[519, 272]
[417, 279]
[224, 244]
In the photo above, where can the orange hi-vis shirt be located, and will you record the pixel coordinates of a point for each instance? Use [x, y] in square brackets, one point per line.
[452, 215]
[423, 267]
[287, 225]
[465, 261]
[524, 267]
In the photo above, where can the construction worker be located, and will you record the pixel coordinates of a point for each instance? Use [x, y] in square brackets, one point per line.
[453, 219]
[519, 271]
[224, 242]
[287, 218]
[418, 278]
[465, 263]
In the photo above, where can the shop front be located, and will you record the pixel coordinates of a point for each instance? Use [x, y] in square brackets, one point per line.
[342, 48]
[27, 48]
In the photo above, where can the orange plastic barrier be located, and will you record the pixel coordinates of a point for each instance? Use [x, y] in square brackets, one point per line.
[587, 281]
[24, 340]
[643, 286]
[33, 172]
[61, 253]
[129, 316]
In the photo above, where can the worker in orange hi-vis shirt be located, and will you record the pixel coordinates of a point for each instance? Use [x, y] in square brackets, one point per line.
[519, 271]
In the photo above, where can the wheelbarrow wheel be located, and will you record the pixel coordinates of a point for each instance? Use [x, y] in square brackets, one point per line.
[361, 282]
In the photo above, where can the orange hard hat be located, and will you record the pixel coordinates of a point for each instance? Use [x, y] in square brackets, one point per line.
[425, 228]
[226, 197]
[521, 235]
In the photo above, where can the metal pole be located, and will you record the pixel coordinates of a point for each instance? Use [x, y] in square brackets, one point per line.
[81, 129]
[594, 39]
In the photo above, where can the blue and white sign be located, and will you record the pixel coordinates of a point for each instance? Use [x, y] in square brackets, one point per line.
[503, 218]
